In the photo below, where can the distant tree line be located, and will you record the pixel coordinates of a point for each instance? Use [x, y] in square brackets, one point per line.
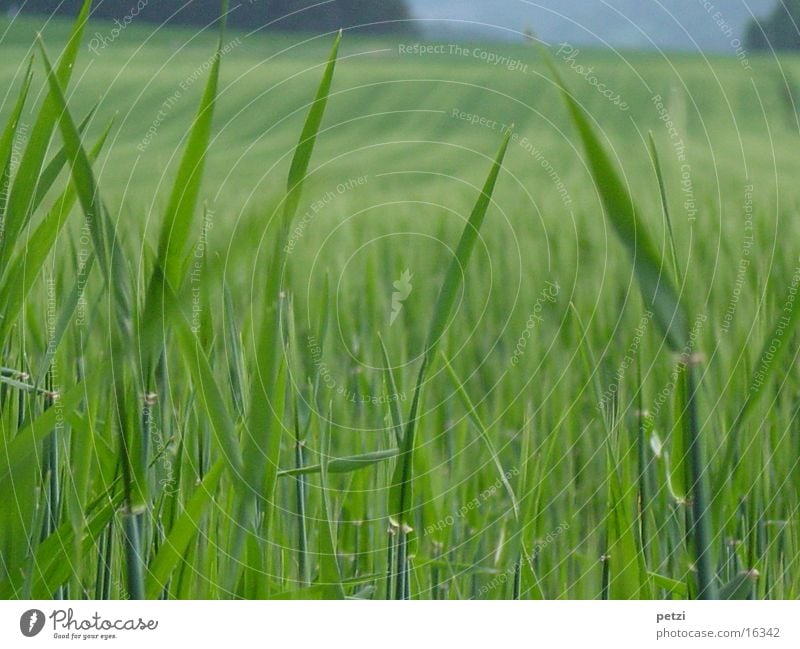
[293, 15]
[781, 29]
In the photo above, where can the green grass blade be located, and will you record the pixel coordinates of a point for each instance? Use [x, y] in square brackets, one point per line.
[657, 290]
[263, 423]
[180, 213]
[270, 347]
[82, 174]
[24, 189]
[741, 586]
[679, 441]
[453, 278]
[65, 318]
[400, 490]
[400, 496]
[770, 362]
[391, 389]
[233, 348]
[54, 563]
[308, 138]
[21, 385]
[22, 272]
[628, 576]
[476, 420]
[662, 189]
[343, 464]
[661, 297]
[209, 396]
[180, 535]
[17, 455]
[172, 258]
[53, 169]
[329, 572]
[673, 586]
[10, 134]
[701, 530]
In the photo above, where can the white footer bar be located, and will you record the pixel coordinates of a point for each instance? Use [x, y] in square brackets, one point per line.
[399, 625]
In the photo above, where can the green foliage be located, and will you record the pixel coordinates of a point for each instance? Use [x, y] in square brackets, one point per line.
[255, 434]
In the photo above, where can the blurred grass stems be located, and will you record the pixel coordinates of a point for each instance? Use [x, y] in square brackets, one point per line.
[661, 297]
[264, 424]
[131, 448]
[483, 433]
[645, 462]
[330, 575]
[400, 497]
[700, 497]
[53, 493]
[767, 368]
[104, 456]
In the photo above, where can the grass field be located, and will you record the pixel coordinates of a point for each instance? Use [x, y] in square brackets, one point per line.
[221, 395]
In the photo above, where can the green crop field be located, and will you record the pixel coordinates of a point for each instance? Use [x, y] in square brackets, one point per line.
[395, 321]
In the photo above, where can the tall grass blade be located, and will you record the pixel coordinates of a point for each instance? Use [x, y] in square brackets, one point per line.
[210, 397]
[662, 298]
[329, 572]
[264, 426]
[174, 547]
[484, 435]
[24, 188]
[308, 137]
[657, 291]
[21, 274]
[8, 137]
[662, 188]
[180, 213]
[391, 389]
[83, 177]
[400, 496]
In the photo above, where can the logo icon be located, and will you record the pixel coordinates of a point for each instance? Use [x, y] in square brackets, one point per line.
[403, 289]
[31, 622]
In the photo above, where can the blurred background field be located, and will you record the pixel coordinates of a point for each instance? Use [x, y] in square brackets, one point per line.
[404, 148]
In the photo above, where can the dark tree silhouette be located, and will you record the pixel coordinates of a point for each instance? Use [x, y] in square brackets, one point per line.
[780, 30]
[295, 15]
